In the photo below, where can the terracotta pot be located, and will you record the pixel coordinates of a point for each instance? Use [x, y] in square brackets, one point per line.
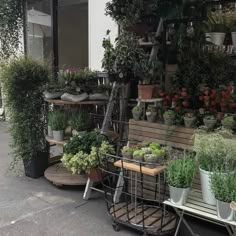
[95, 174]
[146, 91]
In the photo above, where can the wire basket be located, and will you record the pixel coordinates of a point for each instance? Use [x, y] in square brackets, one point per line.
[134, 193]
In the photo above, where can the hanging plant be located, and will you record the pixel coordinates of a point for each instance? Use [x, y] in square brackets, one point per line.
[11, 25]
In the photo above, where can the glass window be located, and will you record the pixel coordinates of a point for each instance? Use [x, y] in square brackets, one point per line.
[73, 33]
[39, 30]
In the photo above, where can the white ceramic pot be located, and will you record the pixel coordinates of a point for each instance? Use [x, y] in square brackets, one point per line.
[233, 34]
[50, 134]
[216, 38]
[207, 194]
[178, 196]
[224, 211]
[58, 135]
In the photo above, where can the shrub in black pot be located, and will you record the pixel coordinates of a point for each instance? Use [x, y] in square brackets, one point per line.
[23, 81]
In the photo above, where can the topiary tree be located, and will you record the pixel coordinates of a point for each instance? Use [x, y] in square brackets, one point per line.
[23, 83]
[11, 27]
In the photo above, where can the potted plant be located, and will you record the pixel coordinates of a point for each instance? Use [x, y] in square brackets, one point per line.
[59, 123]
[228, 122]
[50, 121]
[80, 123]
[224, 187]
[216, 24]
[209, 121]
[24, 82]
[137, 112]
[213, 153]
[151, 113]
[189, 120]
[180, 174]
[149, 72]
[154, 156]
[127, 152]
[138, 155]
[169, 117]
[80, 154]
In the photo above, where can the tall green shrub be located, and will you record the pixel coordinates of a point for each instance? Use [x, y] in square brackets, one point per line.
[23, 81]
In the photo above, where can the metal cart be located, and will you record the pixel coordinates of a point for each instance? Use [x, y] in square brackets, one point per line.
[134, 193]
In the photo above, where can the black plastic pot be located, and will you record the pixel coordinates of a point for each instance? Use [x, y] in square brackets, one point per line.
[35, 167]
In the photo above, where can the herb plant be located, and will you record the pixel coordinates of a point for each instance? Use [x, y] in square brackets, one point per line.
[59, 120]
[224, 186]
[80, 121]
[214, 152]
[180, 172]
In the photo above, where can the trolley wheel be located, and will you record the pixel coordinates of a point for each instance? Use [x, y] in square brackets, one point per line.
[116, 227]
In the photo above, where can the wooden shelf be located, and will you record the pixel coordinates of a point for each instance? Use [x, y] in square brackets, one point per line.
[52, 141]
[54, 159]
[60, 176]
[136, 168]
[61, 102]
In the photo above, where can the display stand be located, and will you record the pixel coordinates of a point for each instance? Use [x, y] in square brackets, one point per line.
[57, 174]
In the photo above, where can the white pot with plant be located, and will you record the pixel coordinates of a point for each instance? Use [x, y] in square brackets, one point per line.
[216, 27]
[151, 114]
[228, 122]
[224, 187]
[169, 117]
[137, 112]
[180, 174]
[59, 123]
[213, 153]
[209, 121]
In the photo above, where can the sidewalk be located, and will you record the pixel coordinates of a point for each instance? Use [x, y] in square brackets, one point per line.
[36, 208]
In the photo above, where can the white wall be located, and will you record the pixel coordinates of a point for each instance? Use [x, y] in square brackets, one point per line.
[99, 23]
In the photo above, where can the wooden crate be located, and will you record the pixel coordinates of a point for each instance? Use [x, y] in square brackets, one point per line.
[174, 136]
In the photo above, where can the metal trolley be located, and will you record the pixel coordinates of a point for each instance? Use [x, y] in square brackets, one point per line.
[134, 192]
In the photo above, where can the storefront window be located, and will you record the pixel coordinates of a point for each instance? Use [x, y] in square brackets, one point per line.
[39, 30]
[73, 33]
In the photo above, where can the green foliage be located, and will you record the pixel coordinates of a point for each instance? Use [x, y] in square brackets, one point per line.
[139, 153]
[148, 71]
[84, 161]
[137, 109]
[127, 150]
[120, 60]
[171, 113]
[84, 76]
[198, 67]
[59, 120]
[228, 120]
[11, 26]
[50, 118]
[224, 186]
[136, 11]
[214, 152]
[23, 81]
[83, 143]
[80, 121]
[180, 173]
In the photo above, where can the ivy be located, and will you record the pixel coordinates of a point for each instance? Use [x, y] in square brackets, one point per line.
[11, 25]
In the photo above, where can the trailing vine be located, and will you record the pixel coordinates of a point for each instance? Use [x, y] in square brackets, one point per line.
[11, 27]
